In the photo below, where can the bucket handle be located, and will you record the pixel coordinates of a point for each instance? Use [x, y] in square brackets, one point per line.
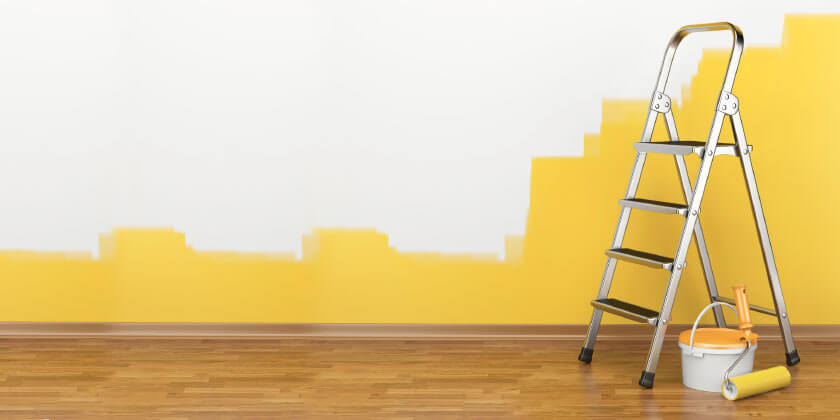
[697, 321]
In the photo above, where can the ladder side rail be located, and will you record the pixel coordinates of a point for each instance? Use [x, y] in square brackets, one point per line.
[618, 237]
[700, 182]
[699, 238]
[764, 239]
[682, 249]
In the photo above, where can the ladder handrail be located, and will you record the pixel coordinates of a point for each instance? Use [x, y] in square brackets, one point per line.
[734, 57]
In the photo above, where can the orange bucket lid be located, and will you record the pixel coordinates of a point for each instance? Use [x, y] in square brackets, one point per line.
[717, 338]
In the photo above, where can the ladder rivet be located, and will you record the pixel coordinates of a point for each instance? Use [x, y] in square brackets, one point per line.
[694, 212]
[667, 104]
[711, 152]
[727, 96]
[659, 96]
[656, 106]
[784, 315]
[724, 107]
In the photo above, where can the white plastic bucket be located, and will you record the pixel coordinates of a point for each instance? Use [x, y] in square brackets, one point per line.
[703, 369]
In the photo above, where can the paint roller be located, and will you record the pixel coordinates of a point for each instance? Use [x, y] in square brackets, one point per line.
[754, 383]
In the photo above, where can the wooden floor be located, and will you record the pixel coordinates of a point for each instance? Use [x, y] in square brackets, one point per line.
[208, 379]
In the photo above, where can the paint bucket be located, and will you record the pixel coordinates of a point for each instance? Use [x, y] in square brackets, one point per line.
[708, 352]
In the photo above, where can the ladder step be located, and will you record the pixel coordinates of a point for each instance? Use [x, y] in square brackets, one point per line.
[686, 148]
[653, 205]
[641, 257]
[627, 310]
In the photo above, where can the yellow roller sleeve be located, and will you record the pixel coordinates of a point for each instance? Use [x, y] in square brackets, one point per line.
[756, 383]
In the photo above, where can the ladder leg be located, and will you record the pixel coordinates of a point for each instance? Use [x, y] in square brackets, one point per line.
[791, 354]
[606, 280]
[659, 335]
[711, 285]
[668, 304]
[699, 238]
[679, 259]
[670, 295]
[595, 323]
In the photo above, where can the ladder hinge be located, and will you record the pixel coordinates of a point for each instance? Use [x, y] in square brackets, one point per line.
[728, 103]
[660, 102]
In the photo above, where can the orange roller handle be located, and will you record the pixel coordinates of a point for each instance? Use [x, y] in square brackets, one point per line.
[743, 307]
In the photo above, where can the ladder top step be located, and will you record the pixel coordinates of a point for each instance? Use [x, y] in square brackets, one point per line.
[641, 257]
[653, 205]
[627, 310]
[686, 148]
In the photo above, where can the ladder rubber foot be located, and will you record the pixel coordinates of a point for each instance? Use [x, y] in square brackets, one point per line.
[792, 358]
[647, 379]
[586, 355]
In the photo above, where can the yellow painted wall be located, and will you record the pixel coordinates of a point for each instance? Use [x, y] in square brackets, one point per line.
[790, 109]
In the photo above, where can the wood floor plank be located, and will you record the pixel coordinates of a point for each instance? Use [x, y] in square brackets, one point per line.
[299, 378]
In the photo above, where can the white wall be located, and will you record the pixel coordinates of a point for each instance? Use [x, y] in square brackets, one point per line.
[247, 123]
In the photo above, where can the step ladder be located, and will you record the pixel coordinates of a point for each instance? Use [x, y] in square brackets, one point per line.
[660, 103]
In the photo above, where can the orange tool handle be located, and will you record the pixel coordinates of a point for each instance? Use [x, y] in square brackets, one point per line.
[743, 307]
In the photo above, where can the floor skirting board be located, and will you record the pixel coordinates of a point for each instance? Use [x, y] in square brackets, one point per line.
[370, 331]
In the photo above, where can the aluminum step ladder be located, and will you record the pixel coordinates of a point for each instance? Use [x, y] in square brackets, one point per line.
[660, 103]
